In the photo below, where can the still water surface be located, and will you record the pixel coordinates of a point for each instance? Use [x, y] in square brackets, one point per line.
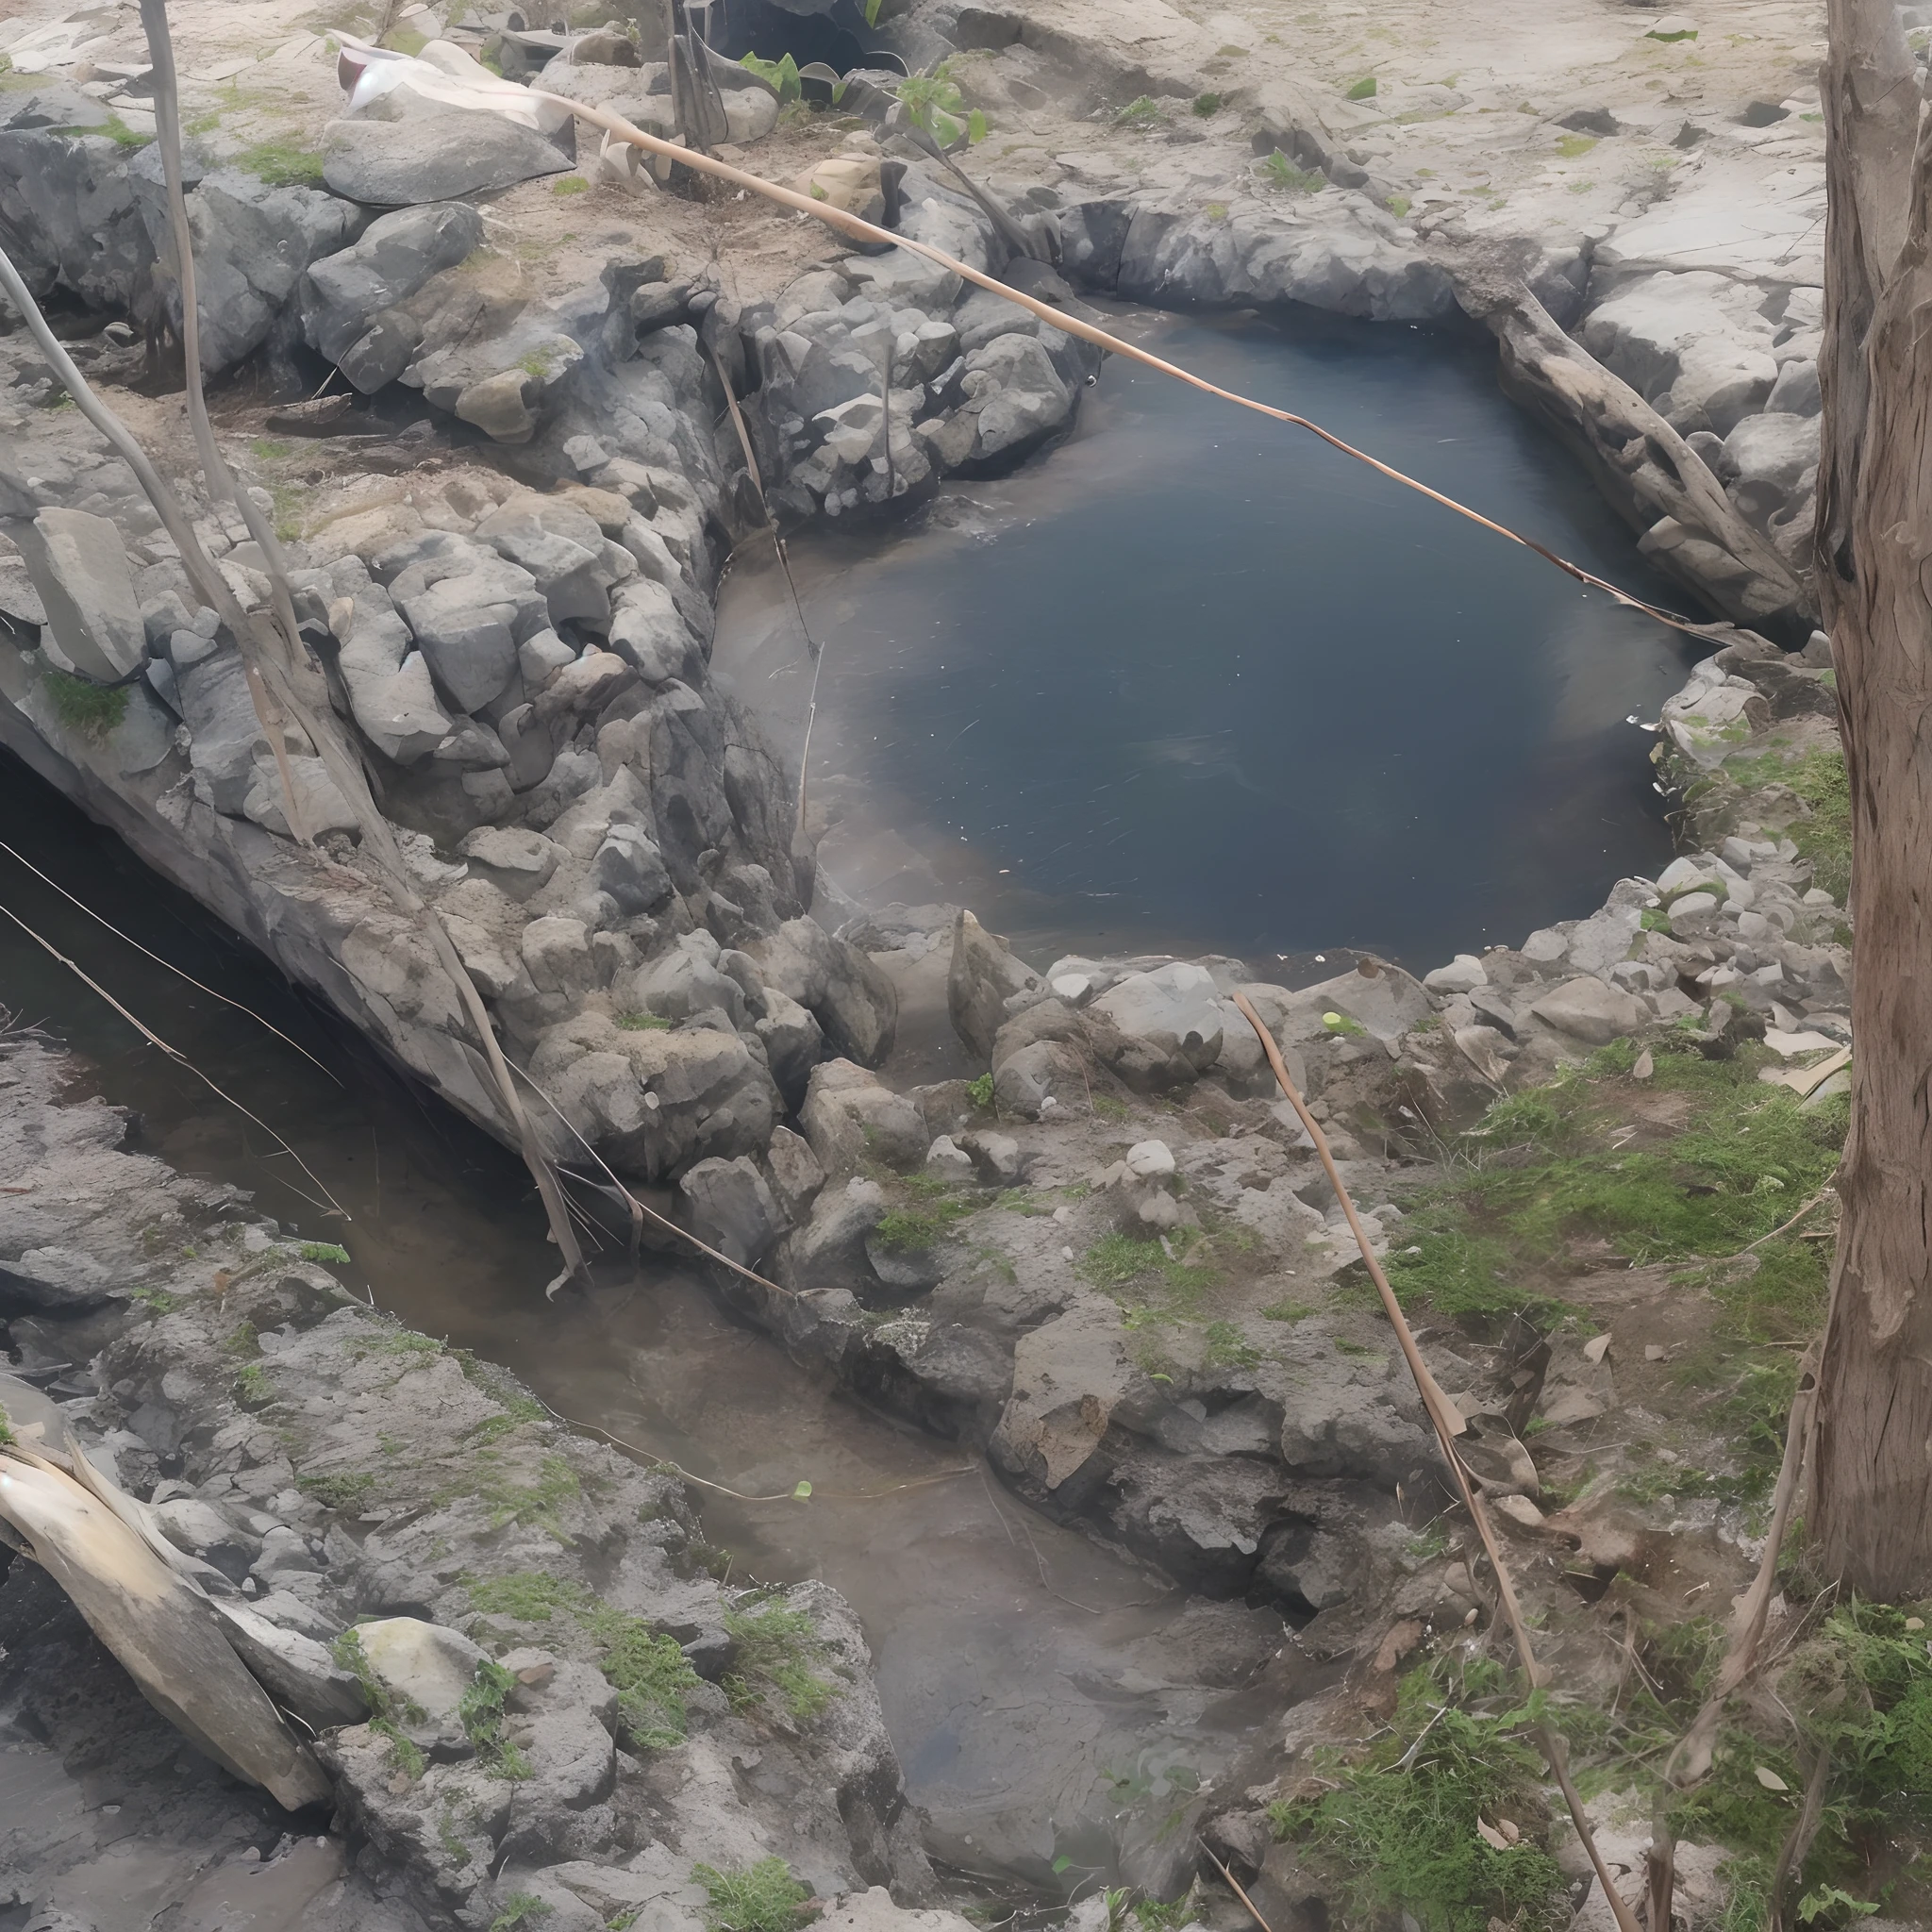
[1198, 680]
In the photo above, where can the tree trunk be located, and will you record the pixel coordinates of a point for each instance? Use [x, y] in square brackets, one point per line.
[1872, 1481]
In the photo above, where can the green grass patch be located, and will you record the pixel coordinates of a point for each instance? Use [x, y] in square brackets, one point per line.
[521, 1910]
[341, 1491]
[647, 1670]
[1228, 1348]
[642, 1023]
[91, 710]
[480, 1712]
[1574, 146]
[1542, 1176]
[1287, 1309]
[763, 1897]
[912, 1231]
[778, 1664]
[387, 1713]
[253, 1389]
[570, 184]
[1117, 1262]
[1143, 111]
[1364, 89]
[1280, 172]
[1818, 777]
[1398, 1831]
[1207, 105]
[281, 164]
[323, 1251]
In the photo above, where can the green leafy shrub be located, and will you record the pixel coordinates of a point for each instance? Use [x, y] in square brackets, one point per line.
[1282, 172]
[479, 1711]
[979, 1091]
[1143, 111]
[521, 1911]
[323, 1251]
[783, 74]
[933, 102]
[93, 709]
[1207, 106]
[340, 1493]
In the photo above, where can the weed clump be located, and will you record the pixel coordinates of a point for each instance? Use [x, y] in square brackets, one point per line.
[1398, 1829]
[756, 1898]
[521, 1910]
[281, 164]
[479, 1711]
[780, 1653]
[387, 1713]
[1818, 778]
[340, 1493]
[91, 710]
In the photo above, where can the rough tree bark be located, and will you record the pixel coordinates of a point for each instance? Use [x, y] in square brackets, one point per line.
[1871, 1482]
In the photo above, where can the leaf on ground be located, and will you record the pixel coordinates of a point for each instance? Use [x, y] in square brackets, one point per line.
[1491, 1836]
[1769, 1778]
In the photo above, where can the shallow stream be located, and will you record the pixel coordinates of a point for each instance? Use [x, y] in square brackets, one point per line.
[1192, 681]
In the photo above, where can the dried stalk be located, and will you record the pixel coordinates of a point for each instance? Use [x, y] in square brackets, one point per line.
[1448, 1424]
[1691, 1759]
[328, 1202]
[858, 229]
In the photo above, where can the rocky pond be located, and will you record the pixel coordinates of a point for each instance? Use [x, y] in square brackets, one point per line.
[969, 1477]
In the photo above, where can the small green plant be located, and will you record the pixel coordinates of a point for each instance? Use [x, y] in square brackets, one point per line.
[979, 1091]
[779, 1652]
[253, 1389]
[340, 1493]
[521, 1911]
[1344, 1026]
[912, 1231]
[281, 164]
[756, 1898]
[932, 100]
[387, 1713]
[269, 451]
[570, 184]
[1143, 111]
[1818, 777]
[1228, 1348]
[1574, 146]
[644, 1022]
[323, 1251]
[1286, 1310]
[93, 709]
[479, 1711]
[1151, 1915]
[1398, 1829]
[782, 73]
[1282, 172]
[1364, 89]
[1397, 205]
[1207, 106]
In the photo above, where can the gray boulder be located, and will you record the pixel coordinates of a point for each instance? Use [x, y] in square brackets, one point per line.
[646, 630]
[983, 976]
[252, 243]
[470, 609]
[795, 1043]
[630, 868]
[851, 998]
[562, 549]
[1767, 456]
[729, 1204]
[433, 158]
[391, 693]
[518, 863]
[1589, 1010]
[69, 213]
[80, 568]
[796, 1176]
[686, 981]
[850, 1118]
[342, 293]
[227, 736]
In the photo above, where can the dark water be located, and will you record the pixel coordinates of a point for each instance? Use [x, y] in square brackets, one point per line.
[1197, 679]
[1028, 1677]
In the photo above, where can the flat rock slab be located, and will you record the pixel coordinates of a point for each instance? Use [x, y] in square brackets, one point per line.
[433, 158]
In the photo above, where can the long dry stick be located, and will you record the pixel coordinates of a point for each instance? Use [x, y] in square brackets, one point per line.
[853, 225]
[1691, 1759]
[167, 99]
[328, 1201]
[286, 675]
[1448, 1424]
[169, 964]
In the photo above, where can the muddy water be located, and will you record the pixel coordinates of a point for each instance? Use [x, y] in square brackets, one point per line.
[1050, 1702]
[1197, 681]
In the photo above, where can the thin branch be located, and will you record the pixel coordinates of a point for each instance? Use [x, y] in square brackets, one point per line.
[174, 1054]
[159, 961]
[858, 229]
[1448, 1424]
